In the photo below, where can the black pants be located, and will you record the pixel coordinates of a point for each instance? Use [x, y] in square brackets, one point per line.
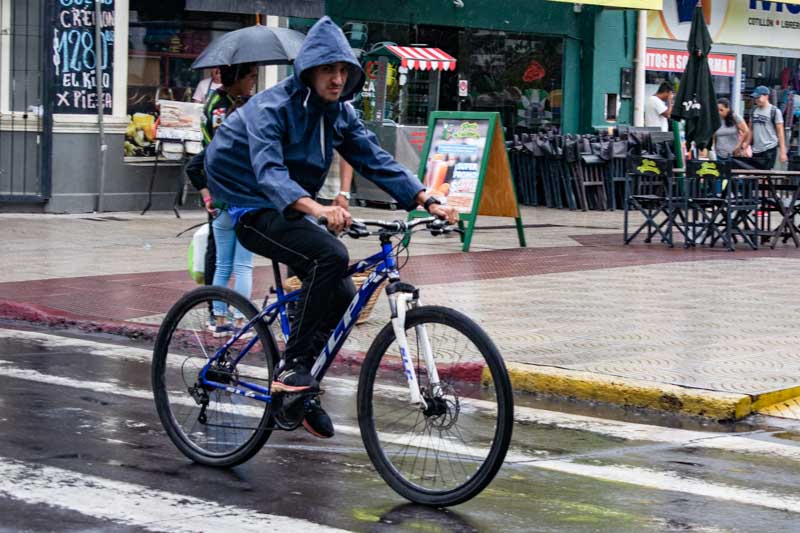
[766, 159]
[319, 259]
[211, 255]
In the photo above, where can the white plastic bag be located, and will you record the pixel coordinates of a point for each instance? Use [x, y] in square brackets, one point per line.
[197, 255]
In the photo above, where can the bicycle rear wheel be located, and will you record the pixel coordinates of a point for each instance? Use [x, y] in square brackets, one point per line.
[446, 454]
[207, 424]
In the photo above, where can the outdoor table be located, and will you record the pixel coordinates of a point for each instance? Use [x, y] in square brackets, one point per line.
[774, 182]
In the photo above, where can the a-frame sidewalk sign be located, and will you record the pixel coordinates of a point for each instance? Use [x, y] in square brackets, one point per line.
[464, 162]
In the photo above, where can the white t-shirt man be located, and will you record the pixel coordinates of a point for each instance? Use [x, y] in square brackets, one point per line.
[653, 113]
[204, 89]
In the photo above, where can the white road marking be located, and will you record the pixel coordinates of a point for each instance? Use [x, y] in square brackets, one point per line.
[134, 505]
[252, 410]
[671, 481]
[611, 428]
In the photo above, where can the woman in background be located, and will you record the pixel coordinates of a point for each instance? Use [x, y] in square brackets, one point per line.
[733, 136]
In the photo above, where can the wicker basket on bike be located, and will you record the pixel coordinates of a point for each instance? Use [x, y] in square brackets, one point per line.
[293, 284]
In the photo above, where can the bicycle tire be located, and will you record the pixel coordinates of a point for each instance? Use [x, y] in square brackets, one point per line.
[200, 299]
[483, 475]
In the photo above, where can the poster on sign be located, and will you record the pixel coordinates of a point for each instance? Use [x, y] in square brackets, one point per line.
[454, 161]
[74, 56]
[464, 164]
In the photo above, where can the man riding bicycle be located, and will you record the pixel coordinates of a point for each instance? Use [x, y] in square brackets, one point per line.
[269, 159]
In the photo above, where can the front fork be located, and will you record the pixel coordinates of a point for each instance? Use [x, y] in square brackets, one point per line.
[399, 303]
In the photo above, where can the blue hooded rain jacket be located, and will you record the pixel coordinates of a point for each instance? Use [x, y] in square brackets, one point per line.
[278, 147]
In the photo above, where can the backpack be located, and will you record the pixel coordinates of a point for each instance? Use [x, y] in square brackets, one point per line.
[773, 111]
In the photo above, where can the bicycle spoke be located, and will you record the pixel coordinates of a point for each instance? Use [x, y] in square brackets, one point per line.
[210, 422]
[442, 448]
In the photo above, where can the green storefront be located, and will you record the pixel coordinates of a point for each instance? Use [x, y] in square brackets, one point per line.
[536, 62]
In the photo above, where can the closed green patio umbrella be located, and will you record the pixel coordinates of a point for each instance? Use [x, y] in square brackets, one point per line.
[696, 101]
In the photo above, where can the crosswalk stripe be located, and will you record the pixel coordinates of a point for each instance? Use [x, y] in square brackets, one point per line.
[740, 442]
[134, 505]
[671, 481]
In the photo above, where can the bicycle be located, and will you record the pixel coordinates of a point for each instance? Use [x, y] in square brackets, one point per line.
[432, 381]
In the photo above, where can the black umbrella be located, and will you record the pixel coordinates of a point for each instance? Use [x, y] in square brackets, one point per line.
[263, 45]
[696, 101]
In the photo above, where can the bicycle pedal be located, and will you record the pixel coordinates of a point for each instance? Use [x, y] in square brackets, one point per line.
[292, 398]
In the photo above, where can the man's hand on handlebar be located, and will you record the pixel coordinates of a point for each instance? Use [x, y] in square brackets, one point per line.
[337, 218]
[445, 212]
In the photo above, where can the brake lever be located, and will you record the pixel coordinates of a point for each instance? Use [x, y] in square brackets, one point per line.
[438, 227]
[357, 230]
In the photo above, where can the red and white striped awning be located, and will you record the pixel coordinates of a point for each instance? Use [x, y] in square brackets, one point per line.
[423, 58]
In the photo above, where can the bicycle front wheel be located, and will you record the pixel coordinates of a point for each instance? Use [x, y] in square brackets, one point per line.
[446, 453]
[208, 424]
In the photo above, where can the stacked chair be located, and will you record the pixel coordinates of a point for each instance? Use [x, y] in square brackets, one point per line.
[579, 171]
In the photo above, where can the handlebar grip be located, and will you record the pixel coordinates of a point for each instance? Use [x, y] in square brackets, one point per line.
[322, 221]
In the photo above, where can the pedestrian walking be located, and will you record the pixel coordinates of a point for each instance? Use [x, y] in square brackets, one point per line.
[230, 257]
[733, 137]
[766, 125]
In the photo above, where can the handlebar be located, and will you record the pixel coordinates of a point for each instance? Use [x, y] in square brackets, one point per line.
[358, 228]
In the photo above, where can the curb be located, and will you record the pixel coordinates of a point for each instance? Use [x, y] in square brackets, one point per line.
[628, 392]
[53, 318]
[576, 384]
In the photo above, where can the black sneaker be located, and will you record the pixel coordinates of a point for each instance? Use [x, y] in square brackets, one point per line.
[295, 379]
[317, 422]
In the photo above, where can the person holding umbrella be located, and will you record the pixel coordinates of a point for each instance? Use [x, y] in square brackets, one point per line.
[233, 59]
[225, 256]
[268, 162]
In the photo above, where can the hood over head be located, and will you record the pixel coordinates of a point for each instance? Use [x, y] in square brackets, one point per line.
[326, 44]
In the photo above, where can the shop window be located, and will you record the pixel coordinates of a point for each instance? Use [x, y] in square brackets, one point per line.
[782, 76]
[164, 41]
[519, 75]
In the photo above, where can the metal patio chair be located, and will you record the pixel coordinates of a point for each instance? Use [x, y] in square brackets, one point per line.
[647, 193]
[708, 214]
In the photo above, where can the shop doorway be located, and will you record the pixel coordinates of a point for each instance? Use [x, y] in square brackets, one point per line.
[782, 76]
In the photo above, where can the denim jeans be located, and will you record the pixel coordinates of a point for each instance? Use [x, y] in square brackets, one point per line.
[767, 158]
[232, 258]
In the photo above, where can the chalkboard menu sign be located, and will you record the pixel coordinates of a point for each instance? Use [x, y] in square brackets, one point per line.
[74, 56]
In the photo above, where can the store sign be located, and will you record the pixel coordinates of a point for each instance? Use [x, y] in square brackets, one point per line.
[74, 56]
[676, 60]
[747, 22]
[463, 88]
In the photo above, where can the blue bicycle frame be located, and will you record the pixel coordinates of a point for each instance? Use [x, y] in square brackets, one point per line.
[384, 265]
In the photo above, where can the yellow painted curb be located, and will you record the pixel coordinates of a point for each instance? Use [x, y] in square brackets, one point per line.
[767, 399]
[627, 392]
[785, 409]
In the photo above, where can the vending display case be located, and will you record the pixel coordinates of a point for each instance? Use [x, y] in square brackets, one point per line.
[401, 90]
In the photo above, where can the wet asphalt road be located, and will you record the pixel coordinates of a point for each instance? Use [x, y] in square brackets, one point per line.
[82, 449]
